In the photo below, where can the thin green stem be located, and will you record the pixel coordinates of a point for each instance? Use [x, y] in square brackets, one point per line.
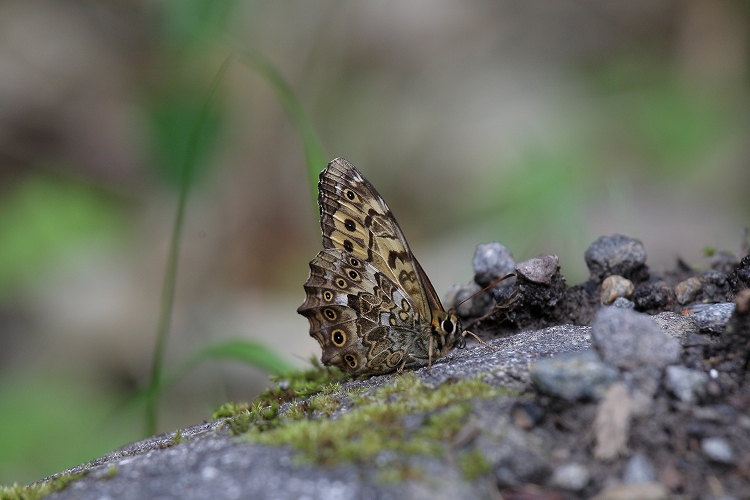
[170, 275]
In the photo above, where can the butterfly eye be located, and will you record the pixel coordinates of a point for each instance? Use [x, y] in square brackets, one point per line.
[351, 360]
[448, 326]
[350, 194]
[330, 314]
[338, 337]
[341, 283]
[354, 262]
[353, 274]
[328, 296]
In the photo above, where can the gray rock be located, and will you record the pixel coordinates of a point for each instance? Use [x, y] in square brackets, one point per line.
[539, 269]
[574, 376]
[491, 262]
[616, 254]
[615, 287]
[689, 386]
[623, 303]
[572, 477]
[713, 317]
[718, 450]
[638, 470]
[677, 326]
[473, 308]
[630, 340]
[685, 291]
[716, 277]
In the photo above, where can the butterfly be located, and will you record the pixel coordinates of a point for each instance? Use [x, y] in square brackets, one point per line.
[369, 303]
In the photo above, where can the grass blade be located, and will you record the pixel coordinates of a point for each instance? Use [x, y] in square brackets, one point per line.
[315, 156]
[170, 275]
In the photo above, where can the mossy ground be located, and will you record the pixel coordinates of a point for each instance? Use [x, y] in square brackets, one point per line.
[407, 417]
[38, 490]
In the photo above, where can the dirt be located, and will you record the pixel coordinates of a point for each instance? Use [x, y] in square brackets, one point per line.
[670, 434]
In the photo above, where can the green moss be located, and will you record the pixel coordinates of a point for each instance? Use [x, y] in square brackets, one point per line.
[315, 386]
[228, 410]
[38, 490]
[110, 473]
[473, 464]
[178, 438]
[376, 422]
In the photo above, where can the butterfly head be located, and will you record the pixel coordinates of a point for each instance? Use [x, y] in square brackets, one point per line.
[448, 333]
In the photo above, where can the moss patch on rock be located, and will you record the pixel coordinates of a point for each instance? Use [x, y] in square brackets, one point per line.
[408, 417]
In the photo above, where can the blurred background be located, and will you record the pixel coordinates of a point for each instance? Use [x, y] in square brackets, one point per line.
[540, 124]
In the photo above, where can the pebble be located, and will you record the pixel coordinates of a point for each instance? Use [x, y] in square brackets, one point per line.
[713, 317]
[572, 477]
[614, 287]
[715, 277]
[628, 340]
[677, 326]
[574, 375]
[616, 254]
[653, 296]
[685, 291]
[718, 450]
[623, 303]
[689, 386]
[474, 308]
[539, 269]
[639, 469]
[491, 262]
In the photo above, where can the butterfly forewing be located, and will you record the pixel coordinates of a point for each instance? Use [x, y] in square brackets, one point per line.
[354, 217]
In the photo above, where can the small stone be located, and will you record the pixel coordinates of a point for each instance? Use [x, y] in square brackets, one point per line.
[641, 491]
[491, 262]
[616, 254]
[539, 269]
[713, 317]
[571, 477]
[724, 261]
[526, 415]
[623, 303]
[689, 386]
[473, 308]
[742, 300]
[628, 340]
[614, 287]
[612, 422]
[718, 450]
[685, 291]
[677, 326]
[656, 296]
[573, 376]
[638, 470]
[715, 277]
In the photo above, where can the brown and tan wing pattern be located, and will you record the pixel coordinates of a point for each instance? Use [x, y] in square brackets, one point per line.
[362, 320]
[354, 217]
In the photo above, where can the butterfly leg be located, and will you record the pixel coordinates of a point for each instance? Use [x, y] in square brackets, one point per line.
[429, 352]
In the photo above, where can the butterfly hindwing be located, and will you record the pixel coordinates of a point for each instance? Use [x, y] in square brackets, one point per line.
[362, 320]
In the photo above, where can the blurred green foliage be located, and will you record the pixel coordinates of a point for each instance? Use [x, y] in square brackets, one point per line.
[43, 219]
[50, 422]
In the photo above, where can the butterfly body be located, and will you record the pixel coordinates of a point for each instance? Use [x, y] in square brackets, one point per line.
[369, 303]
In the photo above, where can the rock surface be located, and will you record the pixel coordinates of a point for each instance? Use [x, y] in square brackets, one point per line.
[649, 401]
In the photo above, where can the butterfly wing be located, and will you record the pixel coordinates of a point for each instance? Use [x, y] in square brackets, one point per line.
[362, 320]
[355, 218]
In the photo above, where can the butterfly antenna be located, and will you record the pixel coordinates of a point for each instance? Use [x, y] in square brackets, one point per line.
[453, 309]
[476, 337]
